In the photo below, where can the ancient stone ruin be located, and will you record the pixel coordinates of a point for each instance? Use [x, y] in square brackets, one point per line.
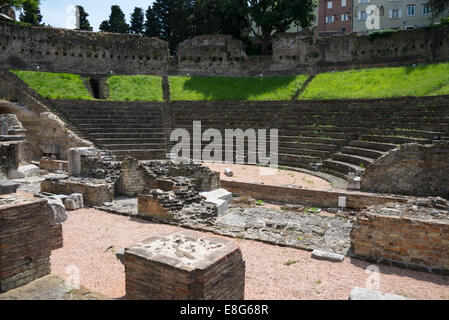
[183, 266]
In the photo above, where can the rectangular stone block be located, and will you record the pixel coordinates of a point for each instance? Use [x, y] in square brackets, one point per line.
[183, 266]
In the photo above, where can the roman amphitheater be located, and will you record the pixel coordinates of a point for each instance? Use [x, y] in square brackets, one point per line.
[94, 204]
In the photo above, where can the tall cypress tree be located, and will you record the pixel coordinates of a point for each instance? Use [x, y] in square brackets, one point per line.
[175, 20]
[137, 19]
[31, 12]
[116, 22]
[152, 26]
[84, 23]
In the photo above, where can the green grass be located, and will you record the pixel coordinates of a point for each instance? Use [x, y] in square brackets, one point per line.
[380, 83]
[55, 85]
[225, 88]
[135, 88]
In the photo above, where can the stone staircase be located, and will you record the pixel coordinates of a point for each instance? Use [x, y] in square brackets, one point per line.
[135, 130]
[343, 136]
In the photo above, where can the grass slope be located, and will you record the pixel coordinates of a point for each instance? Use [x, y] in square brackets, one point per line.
[226, 88]
[380, 83]
[135, 88]
[55, 85]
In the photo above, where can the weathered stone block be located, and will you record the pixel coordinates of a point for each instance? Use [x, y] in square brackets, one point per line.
[183, 266]
[329, 256]
[366, 294]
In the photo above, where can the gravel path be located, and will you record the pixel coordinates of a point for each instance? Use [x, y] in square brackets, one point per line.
[88, 234]
[252, 174]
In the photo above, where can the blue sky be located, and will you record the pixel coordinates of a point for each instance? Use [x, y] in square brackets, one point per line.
[58, 13]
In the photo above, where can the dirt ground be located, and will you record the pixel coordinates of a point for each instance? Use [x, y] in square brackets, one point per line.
[276, 177]
[91, 237]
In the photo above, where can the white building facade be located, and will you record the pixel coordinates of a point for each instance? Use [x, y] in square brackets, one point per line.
[391, 14]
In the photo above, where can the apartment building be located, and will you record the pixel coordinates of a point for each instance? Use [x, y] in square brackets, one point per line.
[335, 16]
[393, 14]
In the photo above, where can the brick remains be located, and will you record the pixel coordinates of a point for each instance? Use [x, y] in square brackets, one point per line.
[182, 266]
[413, 235]
[25, 240]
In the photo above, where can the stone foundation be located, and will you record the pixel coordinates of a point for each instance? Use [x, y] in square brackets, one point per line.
[95, 191]
[182, 266]
[24, 240]
[412, 235]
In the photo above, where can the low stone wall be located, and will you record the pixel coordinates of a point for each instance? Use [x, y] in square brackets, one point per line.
[403, 235]
[95, 192]
[322, 199]
[412, 169]
[24, 240]
[182, 266]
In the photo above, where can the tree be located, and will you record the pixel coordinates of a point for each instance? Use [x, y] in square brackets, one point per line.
[16, 4]
[137, 19]
[273, 16]
[104, 26]
[174, 20]
[30, 12]
[84, 23]
[438, 6]
[116, 22]
[152, 25]
[224, 16]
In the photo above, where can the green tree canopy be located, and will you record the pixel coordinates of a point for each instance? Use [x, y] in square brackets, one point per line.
[174, 19]
[152, 24]
[273, 16]
[137, 20]
[31, 12]
[116, 23]
[84, 23]
[438, 6]
[224, 17]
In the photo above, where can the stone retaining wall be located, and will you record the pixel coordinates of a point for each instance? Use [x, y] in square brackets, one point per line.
[413, 169]
[61, 50]
[321, 199]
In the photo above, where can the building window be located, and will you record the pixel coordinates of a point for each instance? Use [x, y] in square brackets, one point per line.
[425, 10]
[411, 10]
[329, 19]
[381, 11]
[343, 3]
[364, 1]
[329, 4]
[362, 15]
[344, 17]
[395, 14]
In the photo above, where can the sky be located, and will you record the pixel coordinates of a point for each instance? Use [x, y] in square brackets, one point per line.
[60, 13]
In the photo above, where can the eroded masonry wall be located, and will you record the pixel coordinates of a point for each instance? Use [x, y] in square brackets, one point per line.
[305, 51]
[412, 169]
[61, 50]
